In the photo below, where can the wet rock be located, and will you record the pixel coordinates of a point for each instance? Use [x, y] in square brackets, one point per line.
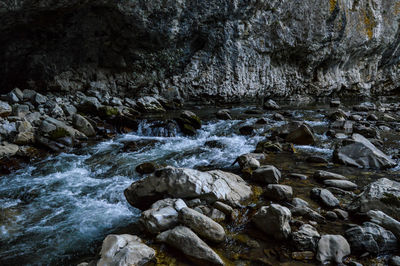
[188, 183]
[306, 238]
[5, 109]
[267, 174]
[225, 209]
[8, 149]
[202, 225]
[325, 197]
[145, 168]
[384, 220]
[20, 110]
[301, 136]
[279, 192]
[371, 238]
[366, 131]
[388, 118]
[372, 117]
[332, 248]
[344, 215]
[321, 175]
[297, 202]
[365, 107]
[188, 122]
[223, 114]
[250, 160]
[383, 194]
[394, 261]
[343, 184]
[274, 221]
[162, 215]
[338, 115]
[217, 215]
[308, 213]
[363, 154]
[149, 104]
[330, 215]
[356, 117]
[125, 250]
[271, 105]
[81, 124]
[185, 240]
[246, 130]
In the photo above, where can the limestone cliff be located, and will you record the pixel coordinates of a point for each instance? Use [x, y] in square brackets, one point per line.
[228, 49]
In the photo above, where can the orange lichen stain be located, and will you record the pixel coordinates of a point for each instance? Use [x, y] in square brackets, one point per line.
[332, 5]
[369, 23]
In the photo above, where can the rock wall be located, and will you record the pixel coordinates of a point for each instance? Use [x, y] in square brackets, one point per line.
[218, 49]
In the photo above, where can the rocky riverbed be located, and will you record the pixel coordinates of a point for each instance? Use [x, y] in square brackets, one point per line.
[286, 183]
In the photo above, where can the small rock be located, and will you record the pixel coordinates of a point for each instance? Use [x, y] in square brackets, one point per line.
[279, 192]
[267, 174]
[325, 197]
[324, 175]
[330, 215]
[125, 250]
[335, 103]
[5, 109]
[20, 110]
[271, 105]
[8, 149]
[149, 104]
[81, 124]
[301, 136]
[202, 225]
[372, 117]
[250, 160]
[274, 221]
[298, 176]
[185, 240]
[343, 184]
[306, 238]
[332, 248]
[188, 122]
[297, 202]
[223, 114]
[217, 215]
[344, 215]
[39, 99]
[278, 117]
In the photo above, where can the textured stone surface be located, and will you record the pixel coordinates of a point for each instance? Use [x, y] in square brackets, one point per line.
[383, 194]
[332, 248]
[232, 49]
[124, 250]
[306, 238]
[188, 183]
[190, 244]
[274, 221]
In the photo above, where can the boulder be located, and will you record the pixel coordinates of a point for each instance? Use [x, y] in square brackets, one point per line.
[149, 104]
[188, 122]
[267, 174]
[343, 184]
[301, 136]
[383, 194]
[371, 238]
[306, 238]
[125, 250]
[274, 221]
[8, 149]
[279, 192]
[20, 110]
[84, 126]
[185, 240]
[271, 105]
[188, 183]
[363, 154]
[384, 220]
[325, 197]
[223, 114]
[332, 248]
[163, 215]
[5, 109]
[202, 225]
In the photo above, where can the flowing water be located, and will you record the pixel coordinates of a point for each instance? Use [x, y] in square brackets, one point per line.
[56, 209]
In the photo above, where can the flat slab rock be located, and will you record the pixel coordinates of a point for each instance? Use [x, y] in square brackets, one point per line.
[188, 183]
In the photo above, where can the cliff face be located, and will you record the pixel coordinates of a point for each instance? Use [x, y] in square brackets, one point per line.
[228, 49]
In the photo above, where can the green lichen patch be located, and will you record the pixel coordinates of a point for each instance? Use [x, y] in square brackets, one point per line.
[58, 133]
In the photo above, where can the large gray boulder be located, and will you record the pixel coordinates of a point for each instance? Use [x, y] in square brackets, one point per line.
[81, 124]
[332, 248]
[383, 194]
[202, 225]
[163, 215]
[267, 174]
[187, 184]
[124, 250]
[384, 220]
[185, 240]
[274, 221]
[363, 154]
[371, 238]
